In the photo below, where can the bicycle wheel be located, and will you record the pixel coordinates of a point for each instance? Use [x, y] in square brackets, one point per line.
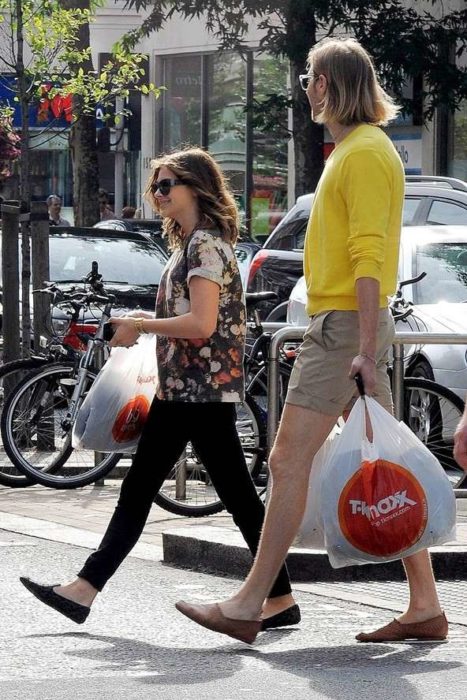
[11, 374]
[188, 490]
[432, 412]
[257, 386]
[35, 438]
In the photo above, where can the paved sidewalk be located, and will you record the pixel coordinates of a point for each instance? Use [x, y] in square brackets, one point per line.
[79, 517]
[88, 511]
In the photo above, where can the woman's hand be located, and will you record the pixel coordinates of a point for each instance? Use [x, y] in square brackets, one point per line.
[126, 334]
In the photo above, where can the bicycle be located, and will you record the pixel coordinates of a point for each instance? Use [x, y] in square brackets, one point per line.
[39, 413]
[54, 348]
[42, 409]
[431, 410]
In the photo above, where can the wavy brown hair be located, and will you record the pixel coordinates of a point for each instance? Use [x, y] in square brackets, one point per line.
[198, 170]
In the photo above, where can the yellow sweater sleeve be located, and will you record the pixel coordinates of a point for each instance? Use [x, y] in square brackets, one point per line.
[366, 189]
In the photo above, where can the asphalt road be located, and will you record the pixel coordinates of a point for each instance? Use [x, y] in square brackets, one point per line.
[135, 645]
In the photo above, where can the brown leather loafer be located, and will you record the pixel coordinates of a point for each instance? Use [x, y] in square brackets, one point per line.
[212, 617]
[433, 630]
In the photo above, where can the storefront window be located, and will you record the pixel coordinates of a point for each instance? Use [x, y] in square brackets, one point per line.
[204, 103]
[180, 114]
[269, 196]
[226, 118]
[458, 166]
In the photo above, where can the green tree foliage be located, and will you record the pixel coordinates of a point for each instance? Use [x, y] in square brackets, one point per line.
[40, 47]
[407, 42]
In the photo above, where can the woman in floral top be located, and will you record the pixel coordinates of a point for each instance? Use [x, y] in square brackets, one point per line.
[200, 324]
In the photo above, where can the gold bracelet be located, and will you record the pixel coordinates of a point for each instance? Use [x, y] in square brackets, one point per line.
[139, 326]
[367, 357]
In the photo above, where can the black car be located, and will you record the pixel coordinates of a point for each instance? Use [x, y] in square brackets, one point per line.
[151, 227]
[279, 263]
[130, 263]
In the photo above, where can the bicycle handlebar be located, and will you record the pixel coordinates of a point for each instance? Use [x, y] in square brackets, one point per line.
[414, 280]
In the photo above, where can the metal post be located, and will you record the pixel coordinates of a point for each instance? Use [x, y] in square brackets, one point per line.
[278, 339]
[398, 383]
[40, 268]
[180, 478]
[10, 276]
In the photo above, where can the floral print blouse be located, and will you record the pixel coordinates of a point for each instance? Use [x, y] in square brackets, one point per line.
[202, 369]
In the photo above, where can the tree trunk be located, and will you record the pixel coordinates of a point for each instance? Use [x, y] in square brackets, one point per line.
[308, 137]
[83, 140]
[24, 183]
[85, 169]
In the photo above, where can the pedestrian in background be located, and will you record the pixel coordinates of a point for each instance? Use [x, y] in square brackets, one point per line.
[54, 205]
[200, 324]
[105, 212]
[350, 264]
[128, 212]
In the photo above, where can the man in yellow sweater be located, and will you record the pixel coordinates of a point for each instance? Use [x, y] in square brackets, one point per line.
[351, 258]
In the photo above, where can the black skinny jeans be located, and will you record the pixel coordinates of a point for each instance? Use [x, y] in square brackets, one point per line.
[210, 427]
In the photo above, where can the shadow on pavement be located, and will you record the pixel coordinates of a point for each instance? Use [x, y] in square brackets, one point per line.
[370, 671]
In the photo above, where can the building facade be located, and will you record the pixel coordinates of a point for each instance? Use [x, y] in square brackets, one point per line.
[203, 103]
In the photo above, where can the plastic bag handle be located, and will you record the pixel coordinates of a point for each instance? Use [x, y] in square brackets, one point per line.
[359, 382]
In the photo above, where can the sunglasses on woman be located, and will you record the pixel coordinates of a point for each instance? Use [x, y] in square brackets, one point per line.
[164, 186]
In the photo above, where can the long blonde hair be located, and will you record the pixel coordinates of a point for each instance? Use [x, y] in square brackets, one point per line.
[354, 94]
[197, 169]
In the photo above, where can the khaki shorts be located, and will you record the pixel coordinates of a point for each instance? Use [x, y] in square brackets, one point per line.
[320, 376]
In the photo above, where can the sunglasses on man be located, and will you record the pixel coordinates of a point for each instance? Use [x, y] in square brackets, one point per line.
[165, 185]
[305, 80]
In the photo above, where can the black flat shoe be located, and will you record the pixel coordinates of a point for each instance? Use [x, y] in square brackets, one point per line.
[286, 618]
[74, 611]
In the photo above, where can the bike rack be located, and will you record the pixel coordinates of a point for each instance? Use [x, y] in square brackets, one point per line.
[284, 333]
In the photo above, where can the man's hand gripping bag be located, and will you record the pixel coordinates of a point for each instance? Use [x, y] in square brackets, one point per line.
[385, 499]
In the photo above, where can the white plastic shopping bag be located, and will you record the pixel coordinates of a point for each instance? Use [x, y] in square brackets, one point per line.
[386, 499]
[113, 413]
[311, 531]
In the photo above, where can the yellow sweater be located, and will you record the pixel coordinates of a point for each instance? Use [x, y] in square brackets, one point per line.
[355, 222]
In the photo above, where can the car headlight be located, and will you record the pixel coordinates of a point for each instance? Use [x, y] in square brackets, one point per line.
[60, 325]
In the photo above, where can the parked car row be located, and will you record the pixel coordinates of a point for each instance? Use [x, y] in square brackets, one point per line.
[439, 301]
[279, 263]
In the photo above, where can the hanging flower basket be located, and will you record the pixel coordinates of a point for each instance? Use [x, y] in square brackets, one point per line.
[9, 150]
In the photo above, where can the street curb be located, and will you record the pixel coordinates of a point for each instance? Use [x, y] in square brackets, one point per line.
[66, 534]
[222, 551]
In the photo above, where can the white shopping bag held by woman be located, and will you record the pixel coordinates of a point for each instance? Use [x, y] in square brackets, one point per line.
[113, 413]
[385, 499]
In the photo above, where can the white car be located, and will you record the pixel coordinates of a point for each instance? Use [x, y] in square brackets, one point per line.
[439, 301]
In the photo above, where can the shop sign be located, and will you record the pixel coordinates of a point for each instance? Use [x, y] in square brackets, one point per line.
[409, 148]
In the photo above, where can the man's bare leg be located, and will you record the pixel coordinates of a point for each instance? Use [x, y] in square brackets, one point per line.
[423, 602]
[301, 434]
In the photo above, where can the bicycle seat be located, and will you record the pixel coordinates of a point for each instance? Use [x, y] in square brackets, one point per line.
[253, 298]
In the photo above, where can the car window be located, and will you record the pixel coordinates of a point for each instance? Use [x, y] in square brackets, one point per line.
[446, 268]
[444, 213]
[120, 260]
[300, 236]
[410, 207]
[286, 236]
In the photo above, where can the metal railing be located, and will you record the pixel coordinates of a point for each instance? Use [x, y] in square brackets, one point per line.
[295, 333]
